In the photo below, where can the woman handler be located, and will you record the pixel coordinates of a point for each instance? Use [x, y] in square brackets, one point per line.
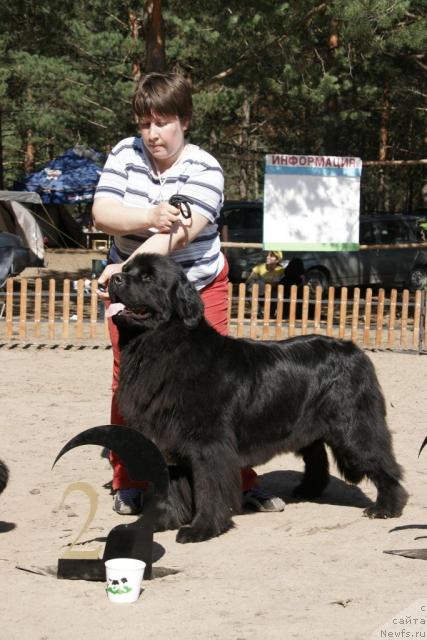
[132, 204]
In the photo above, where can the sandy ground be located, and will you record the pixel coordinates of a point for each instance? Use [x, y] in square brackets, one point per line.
[65, 263]
[317, 570]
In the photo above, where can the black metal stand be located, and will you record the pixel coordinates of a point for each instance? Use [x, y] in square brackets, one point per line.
[416, 554]
[143, 461]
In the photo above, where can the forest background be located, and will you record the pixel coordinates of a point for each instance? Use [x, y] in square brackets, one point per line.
[340, 77]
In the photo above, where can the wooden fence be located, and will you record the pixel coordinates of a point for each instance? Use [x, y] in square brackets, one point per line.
[64, 312]
[394, 321]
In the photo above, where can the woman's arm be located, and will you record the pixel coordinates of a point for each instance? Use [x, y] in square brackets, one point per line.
[182, 233]
[112, 217]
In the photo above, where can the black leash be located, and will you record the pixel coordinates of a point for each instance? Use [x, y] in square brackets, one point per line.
[183, 204]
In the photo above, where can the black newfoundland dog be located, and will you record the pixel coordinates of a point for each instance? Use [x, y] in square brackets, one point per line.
[214, 404]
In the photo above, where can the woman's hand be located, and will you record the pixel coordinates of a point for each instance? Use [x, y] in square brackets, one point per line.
[163, 216]
[104, 279]
[114, 218]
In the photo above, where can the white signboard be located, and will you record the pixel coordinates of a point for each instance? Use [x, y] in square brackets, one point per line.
[311, 203]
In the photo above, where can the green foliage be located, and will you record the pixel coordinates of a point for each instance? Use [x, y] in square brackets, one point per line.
[268, 76]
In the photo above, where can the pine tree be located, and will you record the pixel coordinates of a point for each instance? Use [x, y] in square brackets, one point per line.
[343, 77]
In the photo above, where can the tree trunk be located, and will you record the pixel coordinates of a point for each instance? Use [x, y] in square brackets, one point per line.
[155, 56]
[255, 178]
[51, 149]
[332, 128]
[333, 40]
[244, 140]
[383, 148]
[385, 118]
[134, 34]
[29, 154]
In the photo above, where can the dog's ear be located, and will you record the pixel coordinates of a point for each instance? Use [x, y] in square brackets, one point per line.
[188, 304]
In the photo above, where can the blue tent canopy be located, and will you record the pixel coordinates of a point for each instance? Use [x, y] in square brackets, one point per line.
[69, 179]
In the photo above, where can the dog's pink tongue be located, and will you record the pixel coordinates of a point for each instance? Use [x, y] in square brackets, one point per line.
[114, 308]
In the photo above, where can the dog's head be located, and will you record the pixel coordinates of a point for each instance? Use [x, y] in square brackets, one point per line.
[154, 290]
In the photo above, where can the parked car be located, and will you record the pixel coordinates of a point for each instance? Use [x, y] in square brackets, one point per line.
[395, 266]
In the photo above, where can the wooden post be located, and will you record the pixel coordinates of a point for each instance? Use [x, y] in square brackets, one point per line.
[37, 307]
[23, 309]
[392, 319]
[292, 311]
[404, 320]
[343, 312]
[66, 309]
[368, 312]
[9, 308]
[318, 309]
[80, 308]
[355, 315]
[279, 312]
[380, 318]
[51, 311]
[305, 305]
[267, 310]
[330, 316]
[417, 318]
[241, 310]
[93, 307]
[254, 311]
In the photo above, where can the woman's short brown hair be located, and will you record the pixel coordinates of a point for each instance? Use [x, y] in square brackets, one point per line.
[163, 94]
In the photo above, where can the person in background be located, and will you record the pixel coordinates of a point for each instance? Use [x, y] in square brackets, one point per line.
[422, 231]
[132, 204]
[271, 271]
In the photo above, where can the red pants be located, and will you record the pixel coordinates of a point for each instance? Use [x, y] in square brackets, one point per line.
[214, 298]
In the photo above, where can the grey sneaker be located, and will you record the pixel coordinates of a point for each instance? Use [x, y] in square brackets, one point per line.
[128, 502]
[260, 500]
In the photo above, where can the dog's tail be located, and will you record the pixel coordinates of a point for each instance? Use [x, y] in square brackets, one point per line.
[4, 476]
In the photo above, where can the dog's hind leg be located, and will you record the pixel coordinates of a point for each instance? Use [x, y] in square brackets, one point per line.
[377, 463]
[217, 491]
[316, 474]
[392, 497]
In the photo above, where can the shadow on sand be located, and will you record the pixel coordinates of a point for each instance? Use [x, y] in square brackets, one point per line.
[338, 492]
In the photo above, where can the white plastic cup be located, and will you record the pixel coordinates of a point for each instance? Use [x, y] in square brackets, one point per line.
[124, 578]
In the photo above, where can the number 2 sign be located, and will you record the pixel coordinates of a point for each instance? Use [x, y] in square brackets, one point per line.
[143, 461]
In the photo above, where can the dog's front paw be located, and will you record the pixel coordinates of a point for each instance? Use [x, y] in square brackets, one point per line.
[195, 533]
[169, 517]
[166, 525]
[192, 534]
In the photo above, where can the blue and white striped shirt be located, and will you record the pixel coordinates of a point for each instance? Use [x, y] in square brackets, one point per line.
[129, 177]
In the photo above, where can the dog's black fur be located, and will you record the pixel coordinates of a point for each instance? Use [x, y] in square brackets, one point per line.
[4, 476]
[214, 404]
